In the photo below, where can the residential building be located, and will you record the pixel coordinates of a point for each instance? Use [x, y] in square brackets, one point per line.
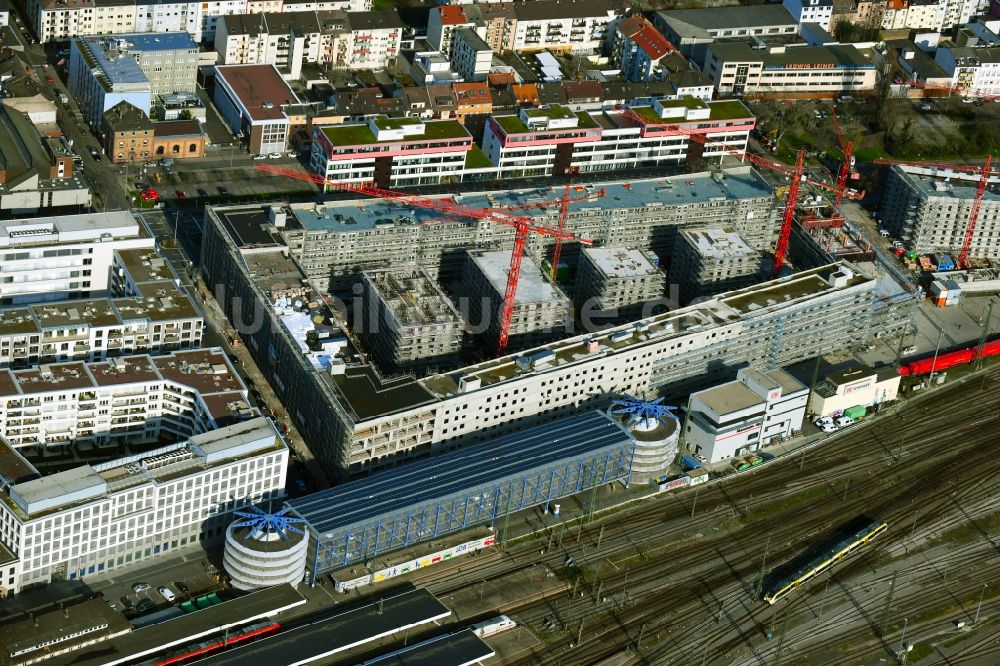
[541, 310]
[104, 405]
[810, 11]
[618, 283]
[973, 70]
[408, 323]
[391, 152]
[692, 30]
[442, 22]
[496, 24]
[181, 16]
[712, 260]
[859, 12]
[36, 170]
[471, 57]
[929, 209]
[737, 69]
[741, 416]
[69, 256]
[350, 40]
[959, 12]
[556, 140]
[57, 20]
[4, 20]
[638, 49]
[147, 314]
[763, 327]
[912, 15]
[137, 508]
[251, 99]
[579, 26]
[857, 386]
[474, 103]
[213, 12]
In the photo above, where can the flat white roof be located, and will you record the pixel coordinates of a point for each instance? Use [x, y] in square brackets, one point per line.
[532, 287]
[69, 228]
[620, 261]
[718, 243]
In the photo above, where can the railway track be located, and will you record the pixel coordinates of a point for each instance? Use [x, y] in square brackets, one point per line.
[882, 470]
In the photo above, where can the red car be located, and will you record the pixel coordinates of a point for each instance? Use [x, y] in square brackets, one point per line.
[181, 194]
[48, 79]
[150, 195]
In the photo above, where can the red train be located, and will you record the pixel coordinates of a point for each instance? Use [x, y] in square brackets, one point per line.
[949, 360]
[205, 649]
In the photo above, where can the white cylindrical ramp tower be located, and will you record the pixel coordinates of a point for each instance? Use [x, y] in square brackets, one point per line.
[656, 431]
[265, 549]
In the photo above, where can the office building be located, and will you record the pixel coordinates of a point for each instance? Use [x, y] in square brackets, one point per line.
[541, 310]
[392, 152]
[252, 100]
[57, 258]
[692, 30]
[737, 68]
[623, 282]
[91, 521]
[857, 386]
[928, 209]
[408, 323]
[105, 71]
[712, 260]
[741, 416]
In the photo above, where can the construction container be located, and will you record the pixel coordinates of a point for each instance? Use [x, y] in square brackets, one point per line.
[689, 463]
[856, 412]
[945, 263]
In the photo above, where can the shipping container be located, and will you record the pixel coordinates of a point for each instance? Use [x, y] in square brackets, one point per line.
[689, 463]
[856, 412]
[697, 476]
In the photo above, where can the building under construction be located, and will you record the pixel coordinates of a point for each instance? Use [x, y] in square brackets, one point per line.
[541, 310]
[928, 209]
[407, 322]
[332, 242]
[712, 260]
[618, 281]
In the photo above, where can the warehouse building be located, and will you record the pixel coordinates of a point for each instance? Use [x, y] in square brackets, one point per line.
[357, 424]
[857, 386]
[928, 209]
[618, 281]
[741, 416]
[541, 310]
[334, 241]
[71, 524]
[408, 323]
[69, 256]
[712, 260]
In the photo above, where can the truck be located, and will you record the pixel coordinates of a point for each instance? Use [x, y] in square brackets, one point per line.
[689, 463]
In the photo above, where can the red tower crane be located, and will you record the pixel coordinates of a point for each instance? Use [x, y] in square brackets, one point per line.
[847, 147]
[794, 173]
[522, 226]
[984, 172]
[548, 203]
[563, 215]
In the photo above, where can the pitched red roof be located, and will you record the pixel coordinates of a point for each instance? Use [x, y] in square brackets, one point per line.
[646, 37]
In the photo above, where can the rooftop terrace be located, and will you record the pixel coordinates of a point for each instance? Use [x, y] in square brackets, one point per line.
[359, 134]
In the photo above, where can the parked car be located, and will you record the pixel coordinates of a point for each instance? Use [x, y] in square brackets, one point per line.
[181, 194]
[167, 593]
[912, 349]
[49, 80]
[884, 233]
[223, 190]
[274, 156]
[145, 605]
[202, 192]
[182, 586]
[828, 427]
[140, 587]
[301, 485]
[844, 421]
[925, 106]
[127, 603]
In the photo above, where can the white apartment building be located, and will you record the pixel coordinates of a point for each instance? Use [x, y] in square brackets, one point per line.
[742, 416]
[960, 12]
[350, 40]
[90, 521]
[70, 256]
[57, 20]
[563, 25]
[737, 69]
[810, 11]
[442, 22]
[554, 139]
[212, 12]
[973, 70]
[166, 16]
[103, 404]
[471, 57]
[913, 15]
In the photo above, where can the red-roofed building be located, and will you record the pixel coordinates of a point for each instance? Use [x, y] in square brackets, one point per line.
[638, 50]
[441, 25]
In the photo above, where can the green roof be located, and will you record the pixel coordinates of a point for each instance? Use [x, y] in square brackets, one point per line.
[687, 102]
[513, 124]
[729, 109]
[386, 123]
[353, 135]
[477, 159]
[553, 111]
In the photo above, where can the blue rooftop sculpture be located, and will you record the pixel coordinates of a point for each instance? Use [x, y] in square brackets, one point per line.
[259, 521]
[643, 410]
